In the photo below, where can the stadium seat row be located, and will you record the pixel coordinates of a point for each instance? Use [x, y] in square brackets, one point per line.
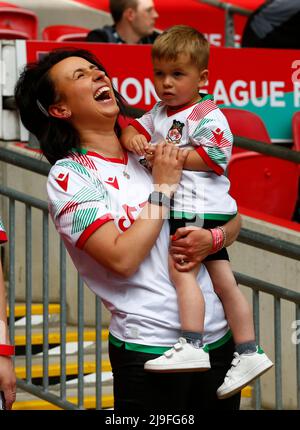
[20, 23]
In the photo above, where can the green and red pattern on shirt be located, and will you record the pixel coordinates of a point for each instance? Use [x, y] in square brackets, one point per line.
[3, 235]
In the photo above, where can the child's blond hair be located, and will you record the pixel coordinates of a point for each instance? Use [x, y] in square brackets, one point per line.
[182, 39]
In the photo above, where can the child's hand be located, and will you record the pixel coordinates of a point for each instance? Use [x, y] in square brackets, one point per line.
[138, 144]
[150, 152]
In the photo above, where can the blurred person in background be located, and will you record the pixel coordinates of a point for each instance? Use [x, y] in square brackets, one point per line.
[134, 22]
[275, 24]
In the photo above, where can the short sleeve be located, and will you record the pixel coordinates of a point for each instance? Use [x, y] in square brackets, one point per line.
[3, 235]
[145, 124]
[78, 202]
[212, 139]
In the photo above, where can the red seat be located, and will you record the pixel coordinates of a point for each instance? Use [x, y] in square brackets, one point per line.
[264, 183]
[61, 33]
[13, 34]
[18, 22]
[244, 123]
[73, 37]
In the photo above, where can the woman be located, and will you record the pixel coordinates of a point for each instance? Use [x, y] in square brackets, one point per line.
[112, 223]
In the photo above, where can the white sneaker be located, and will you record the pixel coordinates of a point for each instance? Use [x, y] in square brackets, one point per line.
[244, 368]
[183, 357]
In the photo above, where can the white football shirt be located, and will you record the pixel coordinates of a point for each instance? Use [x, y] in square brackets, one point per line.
[86, 190]
[203, 127]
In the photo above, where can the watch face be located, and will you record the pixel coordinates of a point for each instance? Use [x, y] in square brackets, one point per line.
[159, 198]
[155, 198]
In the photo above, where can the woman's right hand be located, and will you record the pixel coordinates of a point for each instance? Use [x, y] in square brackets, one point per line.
[167, 167]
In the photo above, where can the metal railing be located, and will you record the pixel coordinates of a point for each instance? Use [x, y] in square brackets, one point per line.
[230, 11]
[31, 203]
[258, 286]
[283, 249]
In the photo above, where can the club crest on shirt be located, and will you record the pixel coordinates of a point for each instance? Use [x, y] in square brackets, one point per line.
[175, 133]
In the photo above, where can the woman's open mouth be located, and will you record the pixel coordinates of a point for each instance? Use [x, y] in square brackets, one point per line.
[103, 94]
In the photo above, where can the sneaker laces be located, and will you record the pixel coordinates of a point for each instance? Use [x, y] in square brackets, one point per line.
[234, 363]
[177, 347]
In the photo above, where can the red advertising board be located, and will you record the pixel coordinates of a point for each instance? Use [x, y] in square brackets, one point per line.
[266, 82]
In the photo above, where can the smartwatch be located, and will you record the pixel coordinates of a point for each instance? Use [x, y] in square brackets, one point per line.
[160, 199]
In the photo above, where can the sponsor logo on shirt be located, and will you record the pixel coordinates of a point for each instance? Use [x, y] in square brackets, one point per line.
[63, 180]
[113, 182]
[218, 135]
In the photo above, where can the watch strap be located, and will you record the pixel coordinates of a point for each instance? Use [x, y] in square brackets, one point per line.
[160, 199]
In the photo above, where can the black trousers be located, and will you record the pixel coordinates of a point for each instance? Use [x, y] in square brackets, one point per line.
[135, 389]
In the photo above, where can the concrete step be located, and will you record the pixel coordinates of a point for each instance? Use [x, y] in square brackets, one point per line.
[54, 335]
[36, 309]
[246, 403]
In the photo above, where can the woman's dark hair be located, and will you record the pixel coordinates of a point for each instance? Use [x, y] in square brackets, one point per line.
[35, 92]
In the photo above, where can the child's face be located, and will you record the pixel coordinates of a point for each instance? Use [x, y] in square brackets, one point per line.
[178, 82]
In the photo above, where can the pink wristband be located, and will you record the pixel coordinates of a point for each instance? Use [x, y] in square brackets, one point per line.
[218, 238]
[7, 350]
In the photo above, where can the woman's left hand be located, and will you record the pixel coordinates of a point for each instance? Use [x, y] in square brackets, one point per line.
[189, 246]
[167, 167]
